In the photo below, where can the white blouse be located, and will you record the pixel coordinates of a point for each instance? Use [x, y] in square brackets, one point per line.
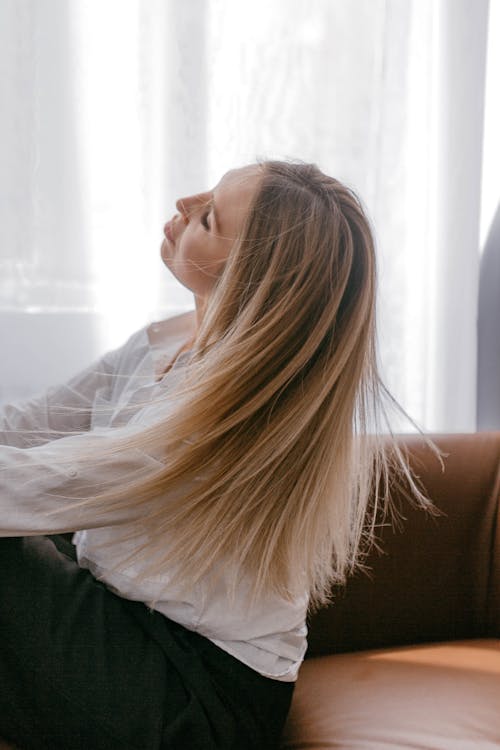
[270, 637]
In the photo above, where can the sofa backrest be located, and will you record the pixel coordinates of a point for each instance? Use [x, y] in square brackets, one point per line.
[437, 578]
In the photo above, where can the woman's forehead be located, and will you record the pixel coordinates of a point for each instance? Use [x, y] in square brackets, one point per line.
[243, 180]
[235, 191]
[241, 176]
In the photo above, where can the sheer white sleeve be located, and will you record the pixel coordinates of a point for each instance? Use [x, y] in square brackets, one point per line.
[39, 486]
[61, 409]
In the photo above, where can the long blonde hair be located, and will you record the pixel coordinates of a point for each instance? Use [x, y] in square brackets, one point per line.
[278, 435]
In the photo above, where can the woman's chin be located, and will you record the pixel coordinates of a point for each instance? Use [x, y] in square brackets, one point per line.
[165, 252]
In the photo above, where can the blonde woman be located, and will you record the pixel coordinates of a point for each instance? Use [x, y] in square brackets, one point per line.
[215, 471]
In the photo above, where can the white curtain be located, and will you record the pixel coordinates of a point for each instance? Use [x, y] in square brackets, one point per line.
[112, 110]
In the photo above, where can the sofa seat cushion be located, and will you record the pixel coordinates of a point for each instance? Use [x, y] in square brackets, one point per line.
[439, 696]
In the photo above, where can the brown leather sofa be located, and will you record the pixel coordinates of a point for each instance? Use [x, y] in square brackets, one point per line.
[410, 656]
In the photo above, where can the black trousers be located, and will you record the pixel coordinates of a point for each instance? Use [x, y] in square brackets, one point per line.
[84, 669]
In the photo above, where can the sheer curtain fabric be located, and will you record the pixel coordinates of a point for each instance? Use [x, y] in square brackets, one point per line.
[112, 110]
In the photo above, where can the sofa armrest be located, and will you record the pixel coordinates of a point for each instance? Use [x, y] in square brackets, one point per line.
[437, 578]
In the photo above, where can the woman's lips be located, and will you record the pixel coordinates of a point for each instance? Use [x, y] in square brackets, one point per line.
[167, 231]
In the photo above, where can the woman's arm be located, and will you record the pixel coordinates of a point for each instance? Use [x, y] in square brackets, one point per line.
[36, 482]
[62, 408]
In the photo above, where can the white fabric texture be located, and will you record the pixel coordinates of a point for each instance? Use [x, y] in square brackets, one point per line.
[116, 392]
[95, 148]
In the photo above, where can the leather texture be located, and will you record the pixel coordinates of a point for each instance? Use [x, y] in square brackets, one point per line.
[409, 655]
[435, 697]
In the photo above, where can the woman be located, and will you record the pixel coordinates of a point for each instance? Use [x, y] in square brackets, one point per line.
[217, 468]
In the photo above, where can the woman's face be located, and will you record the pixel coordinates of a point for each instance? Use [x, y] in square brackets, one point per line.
[199, 238]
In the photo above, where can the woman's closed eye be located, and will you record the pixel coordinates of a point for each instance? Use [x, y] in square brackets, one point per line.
[204, 220]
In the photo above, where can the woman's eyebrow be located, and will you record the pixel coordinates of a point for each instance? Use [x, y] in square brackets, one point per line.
[212, 205]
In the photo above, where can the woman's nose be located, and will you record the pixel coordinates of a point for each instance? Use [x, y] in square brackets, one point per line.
[191, 205]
